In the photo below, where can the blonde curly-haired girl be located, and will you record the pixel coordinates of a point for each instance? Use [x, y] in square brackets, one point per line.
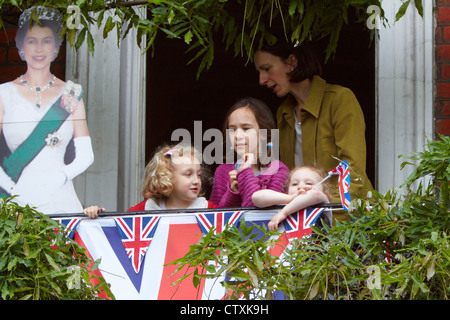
[173, 180]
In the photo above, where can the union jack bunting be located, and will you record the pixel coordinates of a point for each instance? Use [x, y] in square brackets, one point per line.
[70, 225]
[217, 220]
[136, 233]
[174, 235]
[344, 183]
[298, 224]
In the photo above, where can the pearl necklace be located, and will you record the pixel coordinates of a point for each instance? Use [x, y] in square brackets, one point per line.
[37, 90]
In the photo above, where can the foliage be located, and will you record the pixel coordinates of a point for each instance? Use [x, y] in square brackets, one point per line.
[395, 247]
[435, 162]
[243, 256]
[38, 261]
[245, 25]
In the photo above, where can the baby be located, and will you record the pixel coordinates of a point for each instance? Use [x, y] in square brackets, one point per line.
[303, 191]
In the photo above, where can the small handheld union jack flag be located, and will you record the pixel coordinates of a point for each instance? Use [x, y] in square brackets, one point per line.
[136, 233]
[344, 183]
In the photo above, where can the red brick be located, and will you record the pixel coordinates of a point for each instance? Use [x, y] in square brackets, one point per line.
[438, 35]
[443, 14]
[443, 72]
[443, 52]
[442, 108]
[445, 34]
[443, 127]
[443, 90]
[442, 41]
[445, 108]
[442, 2]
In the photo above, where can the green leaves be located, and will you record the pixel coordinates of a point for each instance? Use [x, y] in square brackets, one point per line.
[402, 10]
[434, 163]
[393, 248]
[245, 25]
[238, 253]
[38, 261]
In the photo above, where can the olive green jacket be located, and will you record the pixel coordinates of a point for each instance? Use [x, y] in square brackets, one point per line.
[332, 124]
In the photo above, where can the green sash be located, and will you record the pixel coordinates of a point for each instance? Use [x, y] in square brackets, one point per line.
[15, 163]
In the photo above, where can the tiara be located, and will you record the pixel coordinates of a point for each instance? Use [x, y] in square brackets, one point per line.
[42, 13]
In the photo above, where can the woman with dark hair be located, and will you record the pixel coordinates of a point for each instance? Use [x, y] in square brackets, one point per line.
[317, 121]
[39, 116]
[247, 127]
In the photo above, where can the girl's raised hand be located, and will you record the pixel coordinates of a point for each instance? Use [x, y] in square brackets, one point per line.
[247, 161]
[233, 181]
[275, 221]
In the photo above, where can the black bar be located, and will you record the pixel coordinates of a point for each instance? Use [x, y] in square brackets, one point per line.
[177, 211]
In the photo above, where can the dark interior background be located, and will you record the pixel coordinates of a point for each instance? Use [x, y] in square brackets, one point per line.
[175, 98]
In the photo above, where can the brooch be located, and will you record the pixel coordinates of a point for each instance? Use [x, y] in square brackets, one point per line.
[71, 96]
[53, 140]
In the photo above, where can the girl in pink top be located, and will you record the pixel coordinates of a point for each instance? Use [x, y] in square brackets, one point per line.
[248, 127]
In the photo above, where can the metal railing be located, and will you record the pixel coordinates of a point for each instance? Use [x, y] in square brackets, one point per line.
[330, 206]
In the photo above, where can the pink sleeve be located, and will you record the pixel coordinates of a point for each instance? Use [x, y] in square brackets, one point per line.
[221, 195]
[247, 184]
[280, 175]
[273, 178]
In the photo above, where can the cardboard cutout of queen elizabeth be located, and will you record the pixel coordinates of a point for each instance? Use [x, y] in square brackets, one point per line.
[45, 137]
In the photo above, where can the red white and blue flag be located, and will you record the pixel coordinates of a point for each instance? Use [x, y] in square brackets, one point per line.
[344, 183]
[298, 224]
[217, 220]
[70, 225]
[136, 233]
[170, 239]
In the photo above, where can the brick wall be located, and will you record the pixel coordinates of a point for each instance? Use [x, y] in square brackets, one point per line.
[442, 56]
[11, 66]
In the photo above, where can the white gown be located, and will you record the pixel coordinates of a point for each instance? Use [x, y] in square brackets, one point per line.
[41, 178]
